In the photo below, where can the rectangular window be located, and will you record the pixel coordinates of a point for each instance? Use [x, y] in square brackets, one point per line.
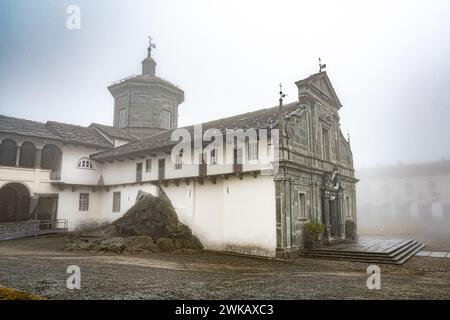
[148, 165]
[302, 205]
[139, 172]
[179, 161]
[253, 150]
[116, 201]
[122, 118]
[213, 156]
[161, 169]
[165, 119]
[325, 144]
[84, 202]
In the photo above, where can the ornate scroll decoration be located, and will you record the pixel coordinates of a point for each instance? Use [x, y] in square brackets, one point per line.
[332, 182]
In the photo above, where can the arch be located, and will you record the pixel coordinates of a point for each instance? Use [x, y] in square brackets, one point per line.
[85, 163]
[51, 158]
[14, 202]
[27, 155]
[8, 152]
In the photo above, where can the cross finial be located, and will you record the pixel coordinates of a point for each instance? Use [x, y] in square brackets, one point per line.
[150, 45]
[282, 95]
[321, 66]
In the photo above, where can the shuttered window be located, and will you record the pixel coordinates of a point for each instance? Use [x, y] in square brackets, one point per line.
[84, 202]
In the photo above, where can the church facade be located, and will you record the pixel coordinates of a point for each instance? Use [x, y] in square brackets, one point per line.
[249, 194]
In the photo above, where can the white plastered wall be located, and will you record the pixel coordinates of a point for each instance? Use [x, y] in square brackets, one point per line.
[233, 214]
[100, 204]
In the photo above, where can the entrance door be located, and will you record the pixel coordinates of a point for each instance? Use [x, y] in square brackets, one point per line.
[335, 218]
[14, 203]
[161, 169]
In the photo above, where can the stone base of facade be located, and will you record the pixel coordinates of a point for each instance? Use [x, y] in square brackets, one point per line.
[288, 253]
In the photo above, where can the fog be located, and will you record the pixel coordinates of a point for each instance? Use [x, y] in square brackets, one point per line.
[388, 61]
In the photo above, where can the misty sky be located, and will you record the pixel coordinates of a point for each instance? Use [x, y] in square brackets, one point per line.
[388, 61]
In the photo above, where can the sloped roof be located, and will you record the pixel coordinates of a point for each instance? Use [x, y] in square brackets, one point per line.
[78, 134]
[26, 128]
[260, 119]
[114, 132]
[147, 79]
[68, 133]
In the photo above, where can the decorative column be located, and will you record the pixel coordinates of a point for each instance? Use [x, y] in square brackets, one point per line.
[17, 156]
[37, 158]
[326, 214]
[342, 218]
[280, 221]
[33, 207]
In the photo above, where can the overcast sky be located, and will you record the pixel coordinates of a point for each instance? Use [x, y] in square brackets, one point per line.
[388, 61]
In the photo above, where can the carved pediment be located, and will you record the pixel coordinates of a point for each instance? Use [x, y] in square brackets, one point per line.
[321, 86]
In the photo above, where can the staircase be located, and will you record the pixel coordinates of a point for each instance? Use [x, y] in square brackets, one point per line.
[396, 251]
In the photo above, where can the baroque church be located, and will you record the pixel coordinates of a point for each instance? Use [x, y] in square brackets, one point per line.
[86, 176]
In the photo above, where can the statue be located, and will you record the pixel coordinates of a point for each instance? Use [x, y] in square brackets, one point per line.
[331, 180]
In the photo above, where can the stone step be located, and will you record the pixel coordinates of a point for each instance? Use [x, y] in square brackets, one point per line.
[367, 258]
[411, 253]
[392, 253]
[398, 255]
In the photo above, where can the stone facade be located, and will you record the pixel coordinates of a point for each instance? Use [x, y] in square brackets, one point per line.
[145, 104]
[316, 179]
[254, 204]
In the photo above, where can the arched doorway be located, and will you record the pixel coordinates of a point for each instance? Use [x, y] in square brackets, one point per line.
[14, 203]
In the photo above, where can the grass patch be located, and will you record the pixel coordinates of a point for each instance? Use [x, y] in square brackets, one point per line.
[13, 294]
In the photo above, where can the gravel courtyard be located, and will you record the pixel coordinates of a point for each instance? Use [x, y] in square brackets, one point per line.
[38, 265]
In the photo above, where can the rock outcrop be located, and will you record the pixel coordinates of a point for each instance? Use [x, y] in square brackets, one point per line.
[151, 224]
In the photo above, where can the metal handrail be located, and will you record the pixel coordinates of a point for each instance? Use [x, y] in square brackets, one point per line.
[33, 226]
[58, 224]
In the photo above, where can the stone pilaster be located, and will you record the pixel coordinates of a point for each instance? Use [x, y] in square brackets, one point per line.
[37, 158]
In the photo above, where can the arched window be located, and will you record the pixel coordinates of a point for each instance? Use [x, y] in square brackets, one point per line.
[27, 155]
[8, 150]
[51, 158]
[85, 163]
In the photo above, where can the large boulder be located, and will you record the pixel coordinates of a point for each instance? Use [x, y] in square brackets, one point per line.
[151, 224]
[152, 216]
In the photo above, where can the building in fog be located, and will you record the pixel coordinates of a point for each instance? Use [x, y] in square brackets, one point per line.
[413, 198]
[90, 175]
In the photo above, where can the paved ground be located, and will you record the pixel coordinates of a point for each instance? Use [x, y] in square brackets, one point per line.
[434, 254]
[39, 266]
